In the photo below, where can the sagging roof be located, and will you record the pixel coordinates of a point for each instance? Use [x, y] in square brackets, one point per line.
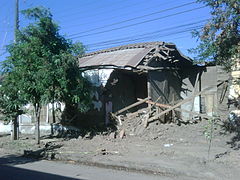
[132, 55]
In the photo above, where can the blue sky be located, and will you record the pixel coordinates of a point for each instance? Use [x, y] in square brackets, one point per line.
[101, 24]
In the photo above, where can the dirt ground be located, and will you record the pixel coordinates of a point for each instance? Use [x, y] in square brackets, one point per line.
[167, 149]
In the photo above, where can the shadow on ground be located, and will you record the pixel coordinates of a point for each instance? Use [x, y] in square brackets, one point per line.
[15, 160]
[29, 156]
[234, 130]
[68, 132]
[8, 172]
[47, 152]
[3, 135]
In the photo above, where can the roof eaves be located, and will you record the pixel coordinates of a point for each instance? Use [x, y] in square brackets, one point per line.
[128, 46]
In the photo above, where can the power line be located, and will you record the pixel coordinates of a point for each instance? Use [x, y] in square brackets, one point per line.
[139, 17]
[4, 39]
[69, 9]
[126, 26]
[6, 30]
[157, 36]
[145, 39]
[145, 34]
[112, 17]
[101, 7]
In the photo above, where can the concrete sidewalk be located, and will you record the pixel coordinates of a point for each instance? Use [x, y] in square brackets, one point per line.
[200, 169]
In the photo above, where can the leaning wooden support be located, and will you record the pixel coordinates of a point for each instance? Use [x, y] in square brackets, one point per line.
[223, 93]
[116, 118]
[155, 103]
[178, 104]
[177, 109]
[131, 106]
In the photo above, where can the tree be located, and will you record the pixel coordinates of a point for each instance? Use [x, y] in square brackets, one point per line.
[44, 65]
[11, 103]
[220, 37]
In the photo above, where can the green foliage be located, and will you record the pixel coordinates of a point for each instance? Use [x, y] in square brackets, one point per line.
[208, 129]
[42, 66]
[220, 37]
[37, 13]
[11, 103]
[208, 132]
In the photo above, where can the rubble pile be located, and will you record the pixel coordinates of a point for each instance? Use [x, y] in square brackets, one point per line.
[133, 124]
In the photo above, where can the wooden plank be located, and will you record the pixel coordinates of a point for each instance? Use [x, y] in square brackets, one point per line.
[179, 104]
[154, 68]
[131, 106]
[177, 109]
[223, 93]
[194, 91]
[155, 103]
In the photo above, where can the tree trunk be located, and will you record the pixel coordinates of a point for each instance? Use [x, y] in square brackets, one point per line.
[15, 135]
[37, 125]
[53, 116]
[53, 113]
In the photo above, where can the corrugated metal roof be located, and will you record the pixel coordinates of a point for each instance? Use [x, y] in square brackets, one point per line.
[122, 56]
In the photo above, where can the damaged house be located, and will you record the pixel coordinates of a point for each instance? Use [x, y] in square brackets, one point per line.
[138, 75]
[141, 76]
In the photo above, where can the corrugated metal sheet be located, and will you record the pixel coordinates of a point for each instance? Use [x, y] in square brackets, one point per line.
[120, 58]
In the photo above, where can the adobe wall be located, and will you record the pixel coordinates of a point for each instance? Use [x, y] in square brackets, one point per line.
[212, 102]
[121, 89]
[189, 85]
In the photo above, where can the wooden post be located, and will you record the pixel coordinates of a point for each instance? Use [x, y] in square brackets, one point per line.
[16, 25]
[131, 106]
[148, 88]
[15, 131]
[194, 91]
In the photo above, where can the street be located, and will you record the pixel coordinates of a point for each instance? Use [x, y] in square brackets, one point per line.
[19, 168]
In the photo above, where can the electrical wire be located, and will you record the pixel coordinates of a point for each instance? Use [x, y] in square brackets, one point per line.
[112, 17]
[101, 7]
[143, 22]
[156, 36]
[70, 9]
[142, 40]
[146, 34]
[138, 17]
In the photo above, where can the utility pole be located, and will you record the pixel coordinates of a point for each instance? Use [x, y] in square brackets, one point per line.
[15, 124]
[16, 26]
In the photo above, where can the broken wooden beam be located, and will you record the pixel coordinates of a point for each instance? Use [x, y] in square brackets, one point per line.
[155, 68]
[155, 103]
[177, 109]
[178, 104]
[131, 106]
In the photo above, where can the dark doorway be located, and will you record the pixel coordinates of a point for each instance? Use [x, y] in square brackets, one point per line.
[124, 87]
